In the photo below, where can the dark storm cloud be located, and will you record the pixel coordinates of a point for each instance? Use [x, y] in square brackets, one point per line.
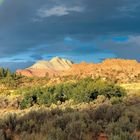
[37, 57]
[15, 65]
[27, 25]
[124, 49]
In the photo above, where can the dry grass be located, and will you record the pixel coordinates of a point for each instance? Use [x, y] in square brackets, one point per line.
[131, 86]
[133, 89]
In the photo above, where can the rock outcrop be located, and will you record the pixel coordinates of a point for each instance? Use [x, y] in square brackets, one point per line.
[119, 70]
[113, 69]
[54, 64]
[42, 68]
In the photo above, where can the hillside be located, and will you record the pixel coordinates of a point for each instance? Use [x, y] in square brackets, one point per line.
[42, 68]
[118, 70]
[87, 109]
[70, 107]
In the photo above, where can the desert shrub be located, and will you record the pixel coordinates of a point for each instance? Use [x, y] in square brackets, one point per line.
[138, 125]
[85, 90]
[10, 121]
[117, 121]
[56, 134]
[33, 136]
[95, 129]
[25, 103]
[114, 112]
[9, 82]
[121, 127]
[76, 130]
[2, 135]
[123, 136]
[100, 112]
[115, 100]
[108, 89]
[7, 126]
[62, 121]
[32, 96]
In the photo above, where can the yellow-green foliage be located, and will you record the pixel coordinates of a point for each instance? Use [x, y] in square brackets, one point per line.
[79, 110]
[85, 90]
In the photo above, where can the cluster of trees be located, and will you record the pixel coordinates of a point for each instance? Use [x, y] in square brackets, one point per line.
[9, 79]
[6, 73]
[84, 90]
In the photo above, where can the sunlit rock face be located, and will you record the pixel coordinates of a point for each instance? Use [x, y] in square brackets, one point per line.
[42, 68]
[119, 70]
[56, 63]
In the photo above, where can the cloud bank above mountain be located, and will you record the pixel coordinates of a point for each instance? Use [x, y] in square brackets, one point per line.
[78, 30]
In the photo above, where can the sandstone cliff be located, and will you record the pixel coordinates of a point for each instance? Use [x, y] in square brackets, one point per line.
[118, 70]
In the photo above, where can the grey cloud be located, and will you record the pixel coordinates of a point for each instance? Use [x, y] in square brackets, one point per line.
[20, 34]
[37, 57]
[15, 65]
[129, 49]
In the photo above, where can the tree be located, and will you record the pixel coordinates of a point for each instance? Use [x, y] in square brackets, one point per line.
[1, 72]
[8, 73]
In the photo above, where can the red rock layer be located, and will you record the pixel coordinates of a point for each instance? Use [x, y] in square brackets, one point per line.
[119, 69]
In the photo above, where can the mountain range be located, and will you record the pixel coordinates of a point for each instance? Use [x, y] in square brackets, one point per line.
[114, 69]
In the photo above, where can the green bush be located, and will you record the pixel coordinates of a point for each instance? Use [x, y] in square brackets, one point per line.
[85, 90]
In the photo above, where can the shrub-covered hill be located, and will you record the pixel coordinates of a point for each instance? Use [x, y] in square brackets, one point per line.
[83, 91]
[113, 120]
[73, 109]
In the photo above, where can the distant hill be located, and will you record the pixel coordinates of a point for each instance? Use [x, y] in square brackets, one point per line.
[119, 70]
[56, 63]
[42, 68]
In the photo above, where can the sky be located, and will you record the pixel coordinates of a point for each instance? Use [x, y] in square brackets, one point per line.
[79, 30]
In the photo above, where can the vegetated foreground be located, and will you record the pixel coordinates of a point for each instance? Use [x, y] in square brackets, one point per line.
[72, 109]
